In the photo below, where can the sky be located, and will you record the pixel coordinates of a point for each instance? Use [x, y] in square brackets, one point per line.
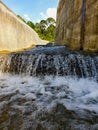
[33, 10]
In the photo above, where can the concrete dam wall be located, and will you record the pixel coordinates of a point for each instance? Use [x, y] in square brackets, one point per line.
[14, 33]
[77, 24]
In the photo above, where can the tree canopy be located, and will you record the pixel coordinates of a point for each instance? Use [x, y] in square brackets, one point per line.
[45, 28]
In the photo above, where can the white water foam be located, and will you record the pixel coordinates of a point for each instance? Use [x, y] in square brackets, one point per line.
[46, 91]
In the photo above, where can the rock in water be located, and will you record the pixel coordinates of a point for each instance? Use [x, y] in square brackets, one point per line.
[14, 33]
[77, 23]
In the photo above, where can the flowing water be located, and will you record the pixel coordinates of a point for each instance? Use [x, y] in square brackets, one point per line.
[50, 60]
[48, 88]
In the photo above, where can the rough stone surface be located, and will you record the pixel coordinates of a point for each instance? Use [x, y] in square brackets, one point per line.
[14, 33]
[77, 22]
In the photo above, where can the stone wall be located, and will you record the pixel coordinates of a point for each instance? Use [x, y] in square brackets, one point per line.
[14, 33]
[77, 23]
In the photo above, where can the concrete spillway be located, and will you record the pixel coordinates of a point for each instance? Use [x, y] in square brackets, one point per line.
[77, 24]
[14, 33]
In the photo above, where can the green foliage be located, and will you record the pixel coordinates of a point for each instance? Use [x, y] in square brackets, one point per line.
[51, 32]
[31, 24]
[45, 28]
[50, 21]
[21, 18]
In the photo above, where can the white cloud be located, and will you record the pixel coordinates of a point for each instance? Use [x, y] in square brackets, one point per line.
[50, 12]
[26, 16]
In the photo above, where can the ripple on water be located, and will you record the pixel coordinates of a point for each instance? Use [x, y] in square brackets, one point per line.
[48, 103]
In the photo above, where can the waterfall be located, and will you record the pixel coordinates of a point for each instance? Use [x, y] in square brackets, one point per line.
[49, 88]
[56, 60]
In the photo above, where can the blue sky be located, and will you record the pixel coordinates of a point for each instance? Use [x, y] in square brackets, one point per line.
[34, 10]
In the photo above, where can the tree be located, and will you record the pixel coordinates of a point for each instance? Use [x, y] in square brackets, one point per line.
[51, 32]
[45, 28]
[50, 21]
[43, 25]
[31, 24]
[21, 18]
